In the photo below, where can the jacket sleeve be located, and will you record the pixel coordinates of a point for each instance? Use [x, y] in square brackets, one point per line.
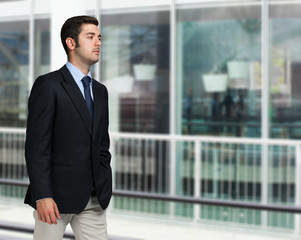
[41, 108]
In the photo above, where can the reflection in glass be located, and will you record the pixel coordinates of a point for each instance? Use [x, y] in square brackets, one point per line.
[218, 61]
[42, 47]
[285, 69]
[135, 68]
[14, 57]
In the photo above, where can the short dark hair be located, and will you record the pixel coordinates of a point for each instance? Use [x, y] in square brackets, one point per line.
[72, 28]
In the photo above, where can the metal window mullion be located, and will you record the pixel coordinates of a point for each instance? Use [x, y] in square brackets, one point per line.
[98, 16]
[172, 110]
[265, 70]
[172, 89]
[31, 45]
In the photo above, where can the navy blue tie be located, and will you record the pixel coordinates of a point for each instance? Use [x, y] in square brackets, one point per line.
[86, 82]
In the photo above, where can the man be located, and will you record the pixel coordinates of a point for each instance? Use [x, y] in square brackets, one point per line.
[67, 141]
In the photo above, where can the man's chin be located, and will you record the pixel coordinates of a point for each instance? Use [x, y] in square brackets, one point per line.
[94, 61]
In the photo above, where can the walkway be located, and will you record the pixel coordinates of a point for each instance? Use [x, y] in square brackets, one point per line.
[123, 227]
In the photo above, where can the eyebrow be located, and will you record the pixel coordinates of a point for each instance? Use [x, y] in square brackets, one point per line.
[92, 33]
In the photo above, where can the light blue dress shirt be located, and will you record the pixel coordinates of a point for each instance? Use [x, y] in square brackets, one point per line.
[78, 76]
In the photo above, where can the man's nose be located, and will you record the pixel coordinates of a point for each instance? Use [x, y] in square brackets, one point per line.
[98, 42]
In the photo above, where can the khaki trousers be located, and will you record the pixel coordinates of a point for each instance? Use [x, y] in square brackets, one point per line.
[87, 225]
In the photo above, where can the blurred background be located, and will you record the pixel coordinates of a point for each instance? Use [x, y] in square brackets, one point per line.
[205, 104]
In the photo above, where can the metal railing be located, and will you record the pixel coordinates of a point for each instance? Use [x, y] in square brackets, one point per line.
[211, 179]
[191, 200]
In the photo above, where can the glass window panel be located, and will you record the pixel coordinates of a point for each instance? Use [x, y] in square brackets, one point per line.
[285, 69]
[14, 60]
[42, 47]
[135, 68]
[219, 70]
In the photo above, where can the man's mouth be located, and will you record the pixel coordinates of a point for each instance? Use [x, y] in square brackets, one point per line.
[96, 51]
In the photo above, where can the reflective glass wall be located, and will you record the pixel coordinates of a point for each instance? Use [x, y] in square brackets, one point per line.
[135, 66]
[219, 68]
[42, 45]
[14, 72]
[285, 69]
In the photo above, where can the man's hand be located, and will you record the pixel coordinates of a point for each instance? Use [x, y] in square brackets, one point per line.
[47, 211]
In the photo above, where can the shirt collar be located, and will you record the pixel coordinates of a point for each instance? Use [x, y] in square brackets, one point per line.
[76, 73]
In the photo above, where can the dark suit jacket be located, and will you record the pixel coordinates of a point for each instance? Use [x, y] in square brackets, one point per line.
[66, 155]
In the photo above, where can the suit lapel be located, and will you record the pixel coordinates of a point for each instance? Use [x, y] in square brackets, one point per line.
[76, 97]
[97, 106]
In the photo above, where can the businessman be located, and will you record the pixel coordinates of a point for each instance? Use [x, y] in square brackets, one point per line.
[67, 141]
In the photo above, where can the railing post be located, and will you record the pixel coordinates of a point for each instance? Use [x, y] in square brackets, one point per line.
[264, 181]
[173, 174]
[297, 187]
[197, 178]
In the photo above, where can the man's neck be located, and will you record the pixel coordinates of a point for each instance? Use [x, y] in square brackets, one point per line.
[84, 68]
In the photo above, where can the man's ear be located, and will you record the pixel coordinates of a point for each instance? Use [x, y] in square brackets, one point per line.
[70, 43]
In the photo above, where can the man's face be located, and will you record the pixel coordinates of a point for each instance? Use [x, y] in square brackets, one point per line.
[89, 42]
